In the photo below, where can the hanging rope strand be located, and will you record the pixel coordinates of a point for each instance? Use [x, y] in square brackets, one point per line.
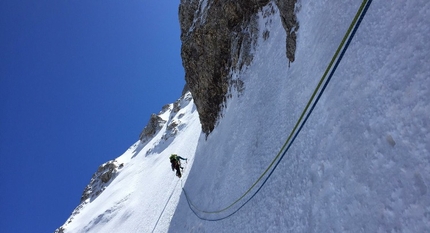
[164, 208]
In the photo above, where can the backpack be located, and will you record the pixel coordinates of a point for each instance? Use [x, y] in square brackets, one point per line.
[173, 158]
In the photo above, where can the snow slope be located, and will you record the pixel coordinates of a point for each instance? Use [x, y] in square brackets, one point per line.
[144, 194]
[362, 161]
[360, 164]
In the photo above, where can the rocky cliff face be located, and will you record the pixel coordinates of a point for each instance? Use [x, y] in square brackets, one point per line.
[154, 125]
[218, 36]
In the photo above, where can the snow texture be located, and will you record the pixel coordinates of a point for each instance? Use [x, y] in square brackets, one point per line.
[362, 161]
[360, 164]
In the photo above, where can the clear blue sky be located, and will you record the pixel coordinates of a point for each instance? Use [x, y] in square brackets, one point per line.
[78, 82]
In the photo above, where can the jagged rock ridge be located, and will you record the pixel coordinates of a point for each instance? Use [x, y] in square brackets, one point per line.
[100, 180]
[157, 121]
[98, 183]
[168, 117]
[154, 125]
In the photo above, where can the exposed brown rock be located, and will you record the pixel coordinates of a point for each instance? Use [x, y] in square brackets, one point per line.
[154, 125]
[217, 38]
[291, 25]
[208, 37]
[100, 180]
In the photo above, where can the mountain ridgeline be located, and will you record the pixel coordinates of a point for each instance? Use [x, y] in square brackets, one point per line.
[217, 38]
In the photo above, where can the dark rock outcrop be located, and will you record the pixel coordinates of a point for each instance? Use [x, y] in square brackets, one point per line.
[154, 125]
[218, 37]
[99, 182]
[291, 25]
[105, 173]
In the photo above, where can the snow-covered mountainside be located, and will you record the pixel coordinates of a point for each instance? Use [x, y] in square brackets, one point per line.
[143, 191]
[361, 163]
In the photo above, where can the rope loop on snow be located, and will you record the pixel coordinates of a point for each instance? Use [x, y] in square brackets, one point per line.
[337, 57]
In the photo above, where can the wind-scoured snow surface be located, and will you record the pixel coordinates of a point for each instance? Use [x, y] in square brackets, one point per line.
[361, 162]
[144, 194]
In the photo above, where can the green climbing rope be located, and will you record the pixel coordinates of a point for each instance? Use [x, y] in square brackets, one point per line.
[299, 121]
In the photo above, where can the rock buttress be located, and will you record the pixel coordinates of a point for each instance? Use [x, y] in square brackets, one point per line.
[213, 37]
